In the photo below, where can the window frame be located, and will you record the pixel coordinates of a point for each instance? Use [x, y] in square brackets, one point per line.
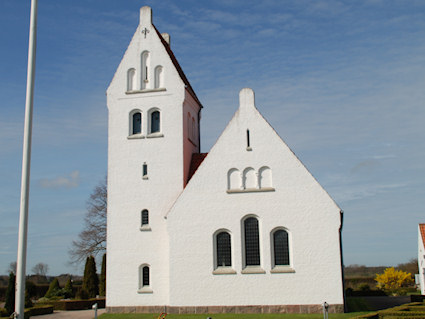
[217, 269]
[281, 268]
[144, 227]
[142, 288]
[132, 135]
[251, 269]
[150, 115]
[145, 72]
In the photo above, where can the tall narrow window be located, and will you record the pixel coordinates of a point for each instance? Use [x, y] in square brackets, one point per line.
[281, 248]
[155, 122]
[144, 279]
[145, 70]
[131, 79]
[145, 217]
[248, 142]
[145, 169]
[159, 77]
[252, 242]
[137, 123]
[224, 250]
[145, 276]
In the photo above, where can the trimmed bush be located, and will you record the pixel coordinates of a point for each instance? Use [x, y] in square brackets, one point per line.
[91, 281]
[54, 289]
[77, 304]
[37, 311]
[68, 290]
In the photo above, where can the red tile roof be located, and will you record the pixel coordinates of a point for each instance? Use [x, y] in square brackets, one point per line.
[422, 230]
[178, 67]
[197, 159]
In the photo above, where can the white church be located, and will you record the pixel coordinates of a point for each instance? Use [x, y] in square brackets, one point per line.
[243, 228]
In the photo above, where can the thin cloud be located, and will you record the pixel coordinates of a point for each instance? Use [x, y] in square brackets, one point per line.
[365, 166]
[70, 181]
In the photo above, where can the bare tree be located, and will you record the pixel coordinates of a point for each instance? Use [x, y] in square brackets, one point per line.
[12, 268]
[92, 240]
[40, 269]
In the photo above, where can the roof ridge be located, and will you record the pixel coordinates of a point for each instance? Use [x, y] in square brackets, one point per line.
[178, 67]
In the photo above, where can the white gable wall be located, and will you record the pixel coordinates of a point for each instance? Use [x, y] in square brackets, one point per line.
[298, 204]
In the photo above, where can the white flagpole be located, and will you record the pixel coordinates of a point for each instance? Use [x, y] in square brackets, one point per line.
[26, 161]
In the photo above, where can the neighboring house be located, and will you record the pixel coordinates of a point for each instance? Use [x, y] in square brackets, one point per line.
[244, 228]
[421, 257]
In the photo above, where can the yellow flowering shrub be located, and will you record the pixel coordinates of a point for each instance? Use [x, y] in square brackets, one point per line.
[392, 280]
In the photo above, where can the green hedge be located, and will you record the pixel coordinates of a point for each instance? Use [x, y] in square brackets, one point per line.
[76, 304]
[38, 310]
[413, 310]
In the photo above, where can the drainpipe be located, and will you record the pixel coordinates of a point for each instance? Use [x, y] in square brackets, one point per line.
[199, 129]
[341, 214]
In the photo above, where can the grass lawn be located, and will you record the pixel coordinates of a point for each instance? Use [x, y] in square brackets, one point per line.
[231, 316]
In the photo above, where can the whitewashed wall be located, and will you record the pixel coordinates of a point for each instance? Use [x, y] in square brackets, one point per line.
[128, 193]
[298, 203]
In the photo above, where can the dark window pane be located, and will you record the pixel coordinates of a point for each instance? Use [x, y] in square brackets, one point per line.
[145, 169]
[155, 122]
[145, 217]
[224, 250]
[252, 242]
[145, 276]
[281, 248]
[137, 123]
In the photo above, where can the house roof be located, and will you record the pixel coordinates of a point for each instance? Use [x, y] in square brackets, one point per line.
[422, 231]
[197, 159]
[178, 67]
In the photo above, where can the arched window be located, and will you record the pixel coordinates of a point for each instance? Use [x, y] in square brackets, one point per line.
[145, 276]
[223, 250]
[159, 77]
[280, 248]
[155, 122]
[136, 123]
[233, 179]
[131, 79]
[145, 70]
[252, 242]
[265, 177]
[145, 217]
[249, 178]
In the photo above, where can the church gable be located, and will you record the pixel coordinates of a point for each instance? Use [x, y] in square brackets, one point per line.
[253, 213]
[253, 158]
[148, 65]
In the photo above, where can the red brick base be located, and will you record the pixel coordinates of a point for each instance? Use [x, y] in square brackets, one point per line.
[226, 309]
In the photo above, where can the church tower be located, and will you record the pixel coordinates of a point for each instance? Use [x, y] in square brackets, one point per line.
[153, 131]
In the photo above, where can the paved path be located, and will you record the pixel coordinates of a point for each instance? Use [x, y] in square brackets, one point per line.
[75, 314]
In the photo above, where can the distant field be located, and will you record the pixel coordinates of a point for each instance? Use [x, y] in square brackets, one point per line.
[232, 316]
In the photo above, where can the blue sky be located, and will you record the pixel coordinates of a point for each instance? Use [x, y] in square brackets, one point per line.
[342, 82]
